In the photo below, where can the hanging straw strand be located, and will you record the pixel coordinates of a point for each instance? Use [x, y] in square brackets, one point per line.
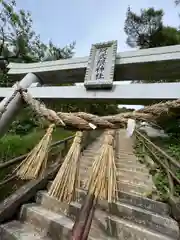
[67, 179]
[102, 181]
[35, 163]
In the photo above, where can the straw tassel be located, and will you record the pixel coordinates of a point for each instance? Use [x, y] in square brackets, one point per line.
[102, 184]
[36, 161]
[67, 179]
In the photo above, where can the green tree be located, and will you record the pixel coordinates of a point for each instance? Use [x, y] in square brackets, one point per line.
[20, 43]
[53, 52]
[146, 30]
[18, 40]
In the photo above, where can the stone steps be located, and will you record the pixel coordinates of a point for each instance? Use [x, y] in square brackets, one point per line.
[17, 230]
[127, 230]
[124, 174]
[138, 190]
[52, 224]
[127, 198]
[150, 222]
[87, 161]
[132, 217]
[123, 179]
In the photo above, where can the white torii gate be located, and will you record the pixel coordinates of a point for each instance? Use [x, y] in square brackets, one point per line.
[99, 73]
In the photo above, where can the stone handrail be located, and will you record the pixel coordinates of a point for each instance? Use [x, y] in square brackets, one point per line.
[166, 162]
[10, 163]
[23, 194]
[88, 137]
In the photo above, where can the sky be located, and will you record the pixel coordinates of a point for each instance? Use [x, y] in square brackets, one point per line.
[89, 21]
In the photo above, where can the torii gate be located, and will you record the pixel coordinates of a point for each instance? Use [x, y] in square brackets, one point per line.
[99, 73]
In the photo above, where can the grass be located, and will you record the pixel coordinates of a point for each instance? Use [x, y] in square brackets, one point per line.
[12, 145]
[159, 174]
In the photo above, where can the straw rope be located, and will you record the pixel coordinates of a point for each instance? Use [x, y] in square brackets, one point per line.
[87, 121]
[41, 109]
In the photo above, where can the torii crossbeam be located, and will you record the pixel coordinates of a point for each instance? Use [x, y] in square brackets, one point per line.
[99, 73]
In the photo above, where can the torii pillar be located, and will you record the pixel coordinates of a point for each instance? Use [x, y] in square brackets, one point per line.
[15, 105]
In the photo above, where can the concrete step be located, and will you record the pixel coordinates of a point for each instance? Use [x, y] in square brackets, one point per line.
[144, 203]
[16, 230]
[134, 200]
[125, 149]
[91, 154]
[125, 185]
[88, 161]
[134, 182]
[134, 179]
[133, 171]
[162, 224]
[123, 180]
[127, 159]
[139, 217]
[140, 190]
[124, 174]
[137, 175]
[122, 229]
[126, 181]
[124, 159]
[96, 146]
[53, 224]
[134, 188]
[125, 152]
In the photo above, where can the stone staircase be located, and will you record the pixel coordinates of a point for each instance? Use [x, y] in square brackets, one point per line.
[133, 217]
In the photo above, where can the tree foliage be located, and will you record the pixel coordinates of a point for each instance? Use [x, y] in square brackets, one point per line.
[18, 39]
[20, 43]
[146, 30]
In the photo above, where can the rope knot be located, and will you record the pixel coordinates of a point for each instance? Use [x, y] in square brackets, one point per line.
[78, 137]
[109, 137]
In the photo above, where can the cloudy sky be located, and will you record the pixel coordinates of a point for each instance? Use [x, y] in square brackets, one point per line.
[89, 21]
